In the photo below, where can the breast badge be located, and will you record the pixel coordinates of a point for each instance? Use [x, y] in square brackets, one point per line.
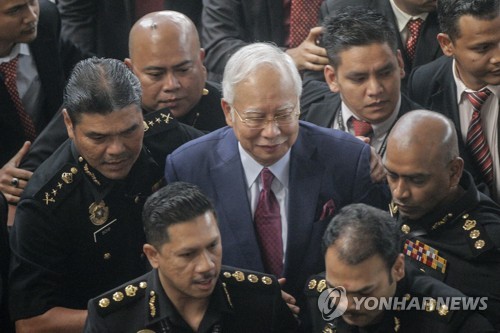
[99, 213]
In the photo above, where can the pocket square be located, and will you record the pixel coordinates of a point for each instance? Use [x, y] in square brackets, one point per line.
[328, 210]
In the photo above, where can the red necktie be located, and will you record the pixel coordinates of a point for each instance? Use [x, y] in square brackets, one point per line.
[267, 220]
[9, 70]
[414, 27]
[476, 140]
[361, 127]
[303, 17]
[143, 7]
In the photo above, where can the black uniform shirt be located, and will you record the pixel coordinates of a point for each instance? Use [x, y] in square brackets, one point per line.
[76, 233]
[242, 301]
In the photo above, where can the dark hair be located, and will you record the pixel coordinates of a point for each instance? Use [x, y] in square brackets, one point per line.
[450, 11]
[99, 85]
[175, 203]
[356, 26]
[360, 231]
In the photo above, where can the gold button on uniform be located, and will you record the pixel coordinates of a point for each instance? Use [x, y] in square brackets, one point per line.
[475, 234]
[405, 228]
[104, 302]
[479, 244]
[107, 256]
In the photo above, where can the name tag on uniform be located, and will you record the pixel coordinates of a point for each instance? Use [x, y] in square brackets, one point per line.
[101, 232]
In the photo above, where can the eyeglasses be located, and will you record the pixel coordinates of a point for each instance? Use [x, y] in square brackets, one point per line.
[283, 118]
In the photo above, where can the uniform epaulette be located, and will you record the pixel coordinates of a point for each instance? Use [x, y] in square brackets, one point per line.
[236, 276]
[437, 309]
[315, 285]
[158, 121]
[476, 235]
[57, 188]
[120, 297]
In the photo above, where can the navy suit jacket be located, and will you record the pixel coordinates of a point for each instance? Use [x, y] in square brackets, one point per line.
[433, 86]
[324, 165]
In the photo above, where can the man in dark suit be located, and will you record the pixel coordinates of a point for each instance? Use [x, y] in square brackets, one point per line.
[363, 77]
[227, 25]
[188, 289]
[268, 165]
[33, 43]
[471, 43]
[400, 13]
[101, 27]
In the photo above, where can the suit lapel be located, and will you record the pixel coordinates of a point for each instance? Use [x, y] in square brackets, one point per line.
[305, 184]
[427, 46]
[233, 202]
[324, 113]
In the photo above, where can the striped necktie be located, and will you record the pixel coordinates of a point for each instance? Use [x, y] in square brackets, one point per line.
[476, 140]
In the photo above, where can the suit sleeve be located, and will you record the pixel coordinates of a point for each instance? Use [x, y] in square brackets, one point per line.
[221, 32]
[364, 190]
[46, 143]
[79, 23]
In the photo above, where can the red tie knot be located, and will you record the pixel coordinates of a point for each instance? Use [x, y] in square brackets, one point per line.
[361, 127]
[266, 177]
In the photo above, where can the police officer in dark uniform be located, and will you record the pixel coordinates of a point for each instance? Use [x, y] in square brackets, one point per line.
[451, 230]
[188, 290]
[77, 231]
[364, 267]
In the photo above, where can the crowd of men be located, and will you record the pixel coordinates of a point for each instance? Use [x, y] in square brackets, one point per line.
[253, 166]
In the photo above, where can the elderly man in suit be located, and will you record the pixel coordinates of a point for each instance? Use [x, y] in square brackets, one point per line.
[275, 181]
[363, 95]
[465, 84]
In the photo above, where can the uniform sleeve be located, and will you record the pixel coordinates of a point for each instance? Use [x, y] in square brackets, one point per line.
[37, 261]
[94, 322]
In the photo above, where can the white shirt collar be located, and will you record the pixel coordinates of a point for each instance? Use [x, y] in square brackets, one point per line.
[252, 168]
[378, 129]
[21, 48]
[403, 18]
[462, 88]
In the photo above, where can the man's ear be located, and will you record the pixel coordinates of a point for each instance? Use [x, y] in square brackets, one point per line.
[446, 44]
[227, 112]
[398, 269]
[152, 254]
[69, 124]
[456, 170]
[331, 78]
[128, 63]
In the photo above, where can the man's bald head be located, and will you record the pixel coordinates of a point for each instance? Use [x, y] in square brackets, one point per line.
[163, 25]
[427, 131]
[165, 55]
[422, 163]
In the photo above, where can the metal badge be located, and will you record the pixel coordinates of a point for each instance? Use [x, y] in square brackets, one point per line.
[118, 296]
[312, 284]
[99, 213]
[104, 302]
[252, 278]
[130, 290]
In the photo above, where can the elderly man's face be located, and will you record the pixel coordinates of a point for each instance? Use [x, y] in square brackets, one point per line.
[110, 143]
[264, 95]
[170, 67]
[18, 22]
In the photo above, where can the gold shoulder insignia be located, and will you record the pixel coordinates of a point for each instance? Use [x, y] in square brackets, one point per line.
[315, 285]
[157, 122]
[249, 278]
[120, 297]
[476, 235]
[59, 186]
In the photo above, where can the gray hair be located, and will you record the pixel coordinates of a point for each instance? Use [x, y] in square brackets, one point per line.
[247, 60]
